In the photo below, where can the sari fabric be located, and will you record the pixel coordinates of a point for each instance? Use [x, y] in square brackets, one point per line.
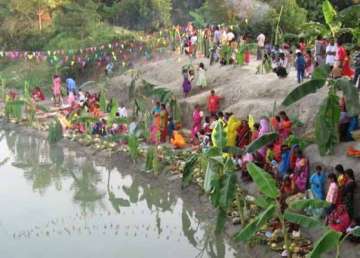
[164, 116]
[301, 174]
[264, 128]
[317, 182]
[243, 134]
[284, 163]
[197, 118]
[231, 130]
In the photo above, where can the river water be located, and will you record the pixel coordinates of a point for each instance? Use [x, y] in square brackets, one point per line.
[55, 204]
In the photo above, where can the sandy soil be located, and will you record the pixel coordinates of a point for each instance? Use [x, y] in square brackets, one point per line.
[244, 91]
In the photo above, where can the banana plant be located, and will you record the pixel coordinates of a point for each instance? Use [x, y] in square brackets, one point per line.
[328, 116]
[273, 208]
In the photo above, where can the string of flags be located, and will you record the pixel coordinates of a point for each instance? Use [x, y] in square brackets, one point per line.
[121, 51]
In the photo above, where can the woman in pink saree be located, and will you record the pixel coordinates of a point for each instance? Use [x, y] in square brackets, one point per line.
[264, 129]
[301, 175]
[197, 119]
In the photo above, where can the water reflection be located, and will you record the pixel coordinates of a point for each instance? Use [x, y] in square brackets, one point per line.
[103, 203]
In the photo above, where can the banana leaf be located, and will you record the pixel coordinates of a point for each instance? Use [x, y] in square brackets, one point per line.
[331, 17]
[351, 95]
[188, 170]
[220, 221]
[303, 90]
[102, 101]
[321, 72]
[302, 220]
[233, 150]
[150, 154]
[356, 232]
[246, 233]
[265, 216]
[228, 190]
[327, 242]
[263, 202]
[326, 124]
[211, 173]
[218, 136]
[329, 12]
[263, 141]
[263, 181]
[133, 144]
[303, 204]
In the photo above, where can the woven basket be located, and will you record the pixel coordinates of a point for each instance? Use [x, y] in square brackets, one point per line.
[356, 135]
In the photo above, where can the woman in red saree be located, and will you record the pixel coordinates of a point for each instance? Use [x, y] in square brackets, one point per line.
[284, 127]
[339, 220]
[347, 70]
[243, 134]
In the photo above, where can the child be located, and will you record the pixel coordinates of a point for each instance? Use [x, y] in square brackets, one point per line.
[201, 81]
[206, 125]
[300, 67]
[188, 77]
[204, 139]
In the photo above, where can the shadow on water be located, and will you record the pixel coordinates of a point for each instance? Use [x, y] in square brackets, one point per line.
[94, 187]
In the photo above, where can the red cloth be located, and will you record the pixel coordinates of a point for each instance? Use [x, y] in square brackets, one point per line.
[341, 54]
[339, 219]
[347, 71]
[247, 57]
[213, 104]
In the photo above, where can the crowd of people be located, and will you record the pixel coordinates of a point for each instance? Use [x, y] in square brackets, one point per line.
[283, 159]
[208, 42]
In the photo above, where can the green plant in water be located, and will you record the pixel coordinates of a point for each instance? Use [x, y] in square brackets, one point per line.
[328, 116]
[55, 133]
[133, 145]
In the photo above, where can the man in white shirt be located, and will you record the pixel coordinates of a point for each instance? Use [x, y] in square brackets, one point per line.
[331, 53]
[260, 46]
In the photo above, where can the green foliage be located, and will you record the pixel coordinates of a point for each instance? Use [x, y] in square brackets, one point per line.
[326, 243]
[133, 144]
[263, 181]
[247, 232]
[148, 15]
[188, 170]
[14, 109]
[306, 203]
[228, 190]
[262, 141]
[219, 136]
[103, 101]
[150, 155]
[302, 220]
[351, 95]
[303, 90]
[55, 133]
[326, 124]
[330, 16]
